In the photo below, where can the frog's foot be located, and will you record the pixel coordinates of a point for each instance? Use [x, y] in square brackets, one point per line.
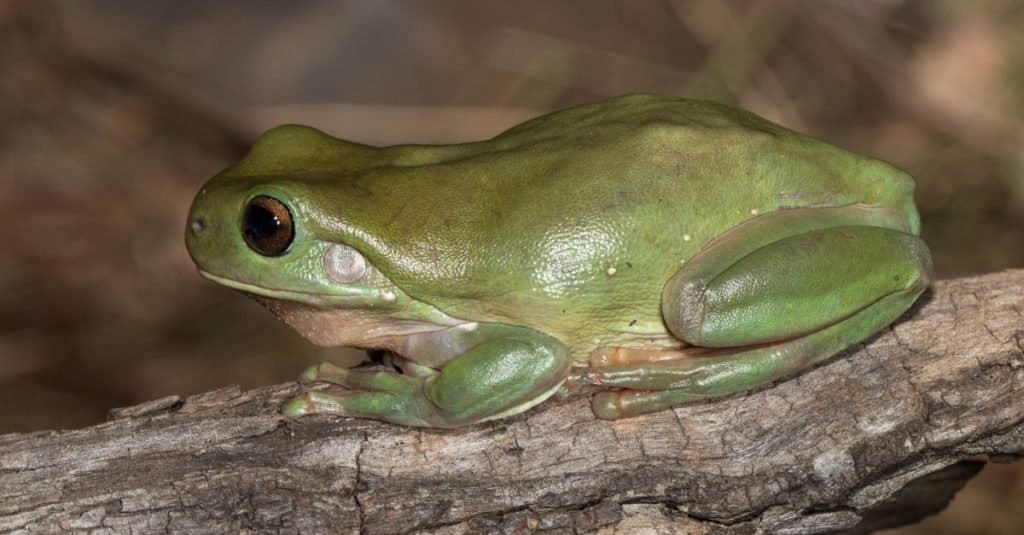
[805, 285]
[376, 394]
[506, 370]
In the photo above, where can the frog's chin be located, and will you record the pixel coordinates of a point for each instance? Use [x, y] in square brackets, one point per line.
[354, 300]
[331, 320]
[347, 327]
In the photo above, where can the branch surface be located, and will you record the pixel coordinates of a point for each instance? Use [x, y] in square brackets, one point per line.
[879, 436]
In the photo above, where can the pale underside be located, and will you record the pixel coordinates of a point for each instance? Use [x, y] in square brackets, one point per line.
[357, 328]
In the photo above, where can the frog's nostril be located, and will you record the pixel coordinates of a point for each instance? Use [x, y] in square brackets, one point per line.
[197, 225]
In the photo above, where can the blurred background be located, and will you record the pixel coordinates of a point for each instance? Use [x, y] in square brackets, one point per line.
[113, 113]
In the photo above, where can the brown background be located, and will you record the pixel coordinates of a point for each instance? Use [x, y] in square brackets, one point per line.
[113, 113]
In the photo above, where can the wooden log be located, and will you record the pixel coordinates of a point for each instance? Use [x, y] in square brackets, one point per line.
[879, 436]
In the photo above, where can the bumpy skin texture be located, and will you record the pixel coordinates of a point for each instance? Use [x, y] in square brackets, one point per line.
[569, 226]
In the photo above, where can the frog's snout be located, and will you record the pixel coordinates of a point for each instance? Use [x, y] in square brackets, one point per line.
[195, 234]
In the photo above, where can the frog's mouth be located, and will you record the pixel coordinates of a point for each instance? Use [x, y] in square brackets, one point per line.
[255, 289]
[325, 320]
[360, 299]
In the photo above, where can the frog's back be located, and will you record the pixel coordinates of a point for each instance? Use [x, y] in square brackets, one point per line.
[704, 155]
[593, 208]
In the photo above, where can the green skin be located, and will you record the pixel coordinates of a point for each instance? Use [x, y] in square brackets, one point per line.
[660, 250]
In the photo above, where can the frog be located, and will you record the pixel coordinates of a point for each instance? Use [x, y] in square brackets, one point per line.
[646, 251]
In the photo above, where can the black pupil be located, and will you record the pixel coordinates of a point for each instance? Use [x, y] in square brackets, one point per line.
[260, 223]
[267, 226]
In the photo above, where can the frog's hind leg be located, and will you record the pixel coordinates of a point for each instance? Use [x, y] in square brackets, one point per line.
[806, 285]
[668, 383]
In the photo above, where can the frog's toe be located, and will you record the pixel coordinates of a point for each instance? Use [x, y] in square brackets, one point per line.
[298, 406]
[310, 374]
[626, 403]
[325, 371]
[606, 405]
[404, 409]
[317, 403]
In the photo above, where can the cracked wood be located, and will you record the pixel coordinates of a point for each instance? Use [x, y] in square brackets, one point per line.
[879, 436]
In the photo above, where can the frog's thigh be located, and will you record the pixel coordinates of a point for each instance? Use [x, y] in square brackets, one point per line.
[795, 277]
[872, 276]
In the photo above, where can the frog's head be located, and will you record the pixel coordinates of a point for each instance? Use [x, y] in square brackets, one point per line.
[262, 227]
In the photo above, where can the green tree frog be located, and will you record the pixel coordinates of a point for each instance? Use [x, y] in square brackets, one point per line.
[656, 250]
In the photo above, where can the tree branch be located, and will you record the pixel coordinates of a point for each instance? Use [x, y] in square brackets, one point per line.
[880, 436]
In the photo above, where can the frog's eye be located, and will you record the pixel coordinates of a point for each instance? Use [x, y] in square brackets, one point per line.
[267, 226]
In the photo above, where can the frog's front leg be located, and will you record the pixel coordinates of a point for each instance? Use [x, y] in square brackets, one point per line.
[774, 295]
[488, 371]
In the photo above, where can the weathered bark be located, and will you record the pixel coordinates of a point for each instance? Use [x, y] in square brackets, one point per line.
[879, 436]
